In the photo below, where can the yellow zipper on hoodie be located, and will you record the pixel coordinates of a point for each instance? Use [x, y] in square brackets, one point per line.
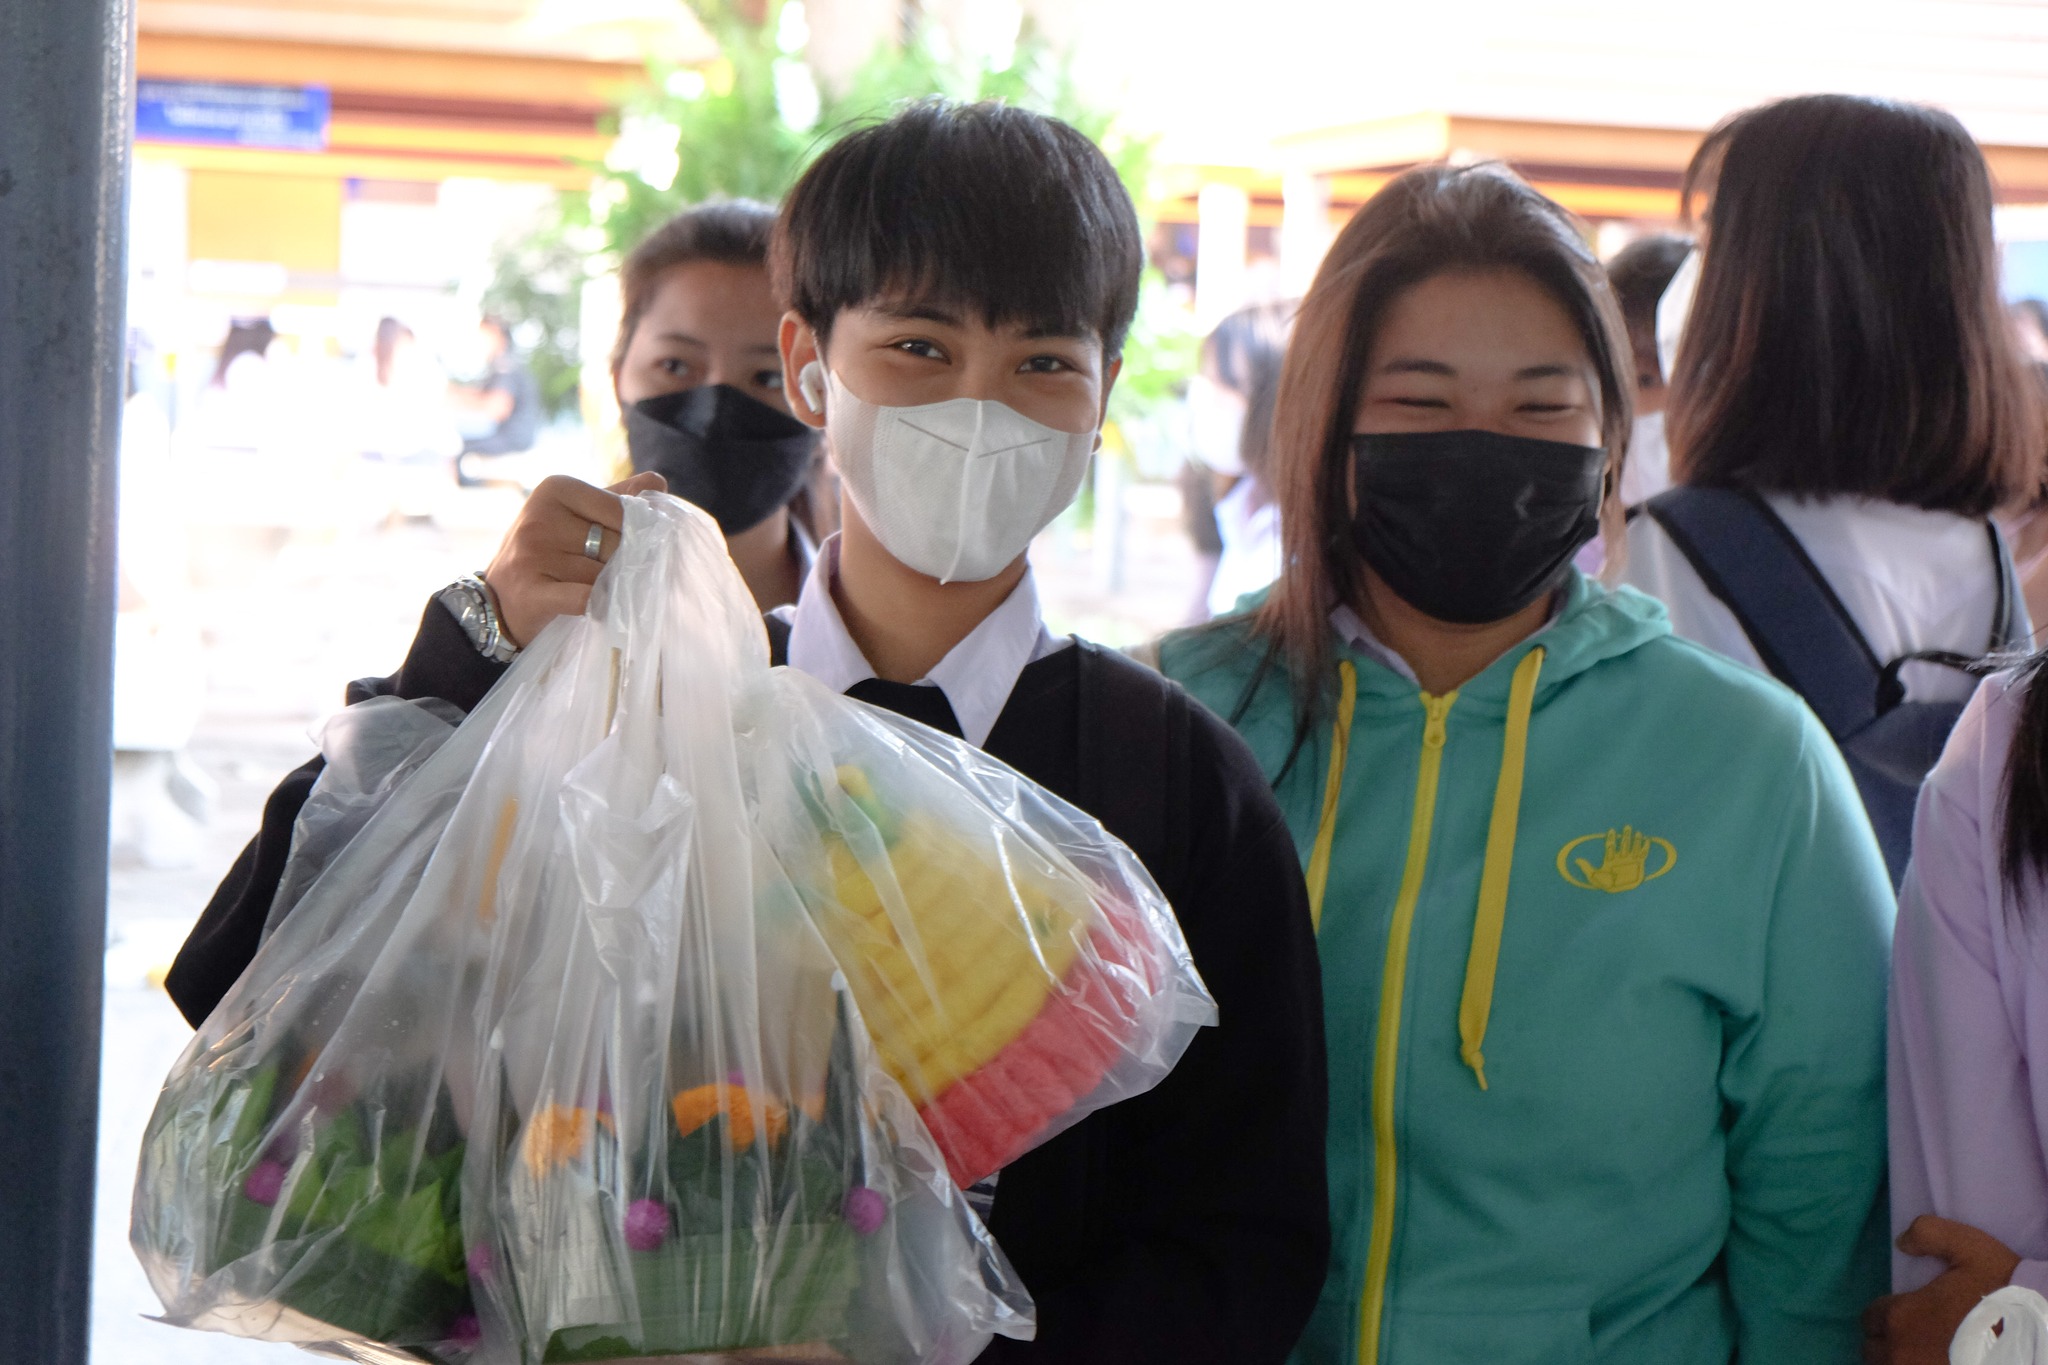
[1476, 1003]
[1387, 1048]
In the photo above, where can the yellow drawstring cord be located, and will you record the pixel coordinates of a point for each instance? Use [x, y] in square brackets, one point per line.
[1326, 827]
[1477, 1002]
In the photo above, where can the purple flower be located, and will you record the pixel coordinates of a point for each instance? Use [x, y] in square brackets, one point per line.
[646, 1224]
[264, 1182]
[865, 1210]
[482, 1262]
[465, 1333]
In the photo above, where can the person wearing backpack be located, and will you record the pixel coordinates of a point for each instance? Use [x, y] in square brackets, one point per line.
[960, 281]
[1602, 928]
[1846, 410]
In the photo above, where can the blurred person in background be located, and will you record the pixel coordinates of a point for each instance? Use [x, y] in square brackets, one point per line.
[1848, 406]
[500, 413]
[2026, 526]
[239, 407]
[2030, 317]
[699, 382]
[1602, 929]
[160, 799]
[1640, 273]
[403, 422]
[242, 354]
[1198, 519]
[1230, 419]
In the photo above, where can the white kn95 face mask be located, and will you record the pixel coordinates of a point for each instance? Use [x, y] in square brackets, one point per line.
[956, 489]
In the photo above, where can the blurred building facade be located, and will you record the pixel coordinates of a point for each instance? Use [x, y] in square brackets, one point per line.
[326, 162]
[1302, 109]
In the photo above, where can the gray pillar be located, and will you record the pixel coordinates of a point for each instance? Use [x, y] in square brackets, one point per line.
[65, 81]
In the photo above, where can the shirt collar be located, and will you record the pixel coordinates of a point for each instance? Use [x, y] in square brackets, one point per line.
[977, 675]
[1352, 630]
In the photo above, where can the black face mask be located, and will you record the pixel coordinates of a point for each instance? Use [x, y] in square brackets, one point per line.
[732, 455]
[1473, 526]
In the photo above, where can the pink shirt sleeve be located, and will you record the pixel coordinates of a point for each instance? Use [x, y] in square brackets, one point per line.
[1964, 1138]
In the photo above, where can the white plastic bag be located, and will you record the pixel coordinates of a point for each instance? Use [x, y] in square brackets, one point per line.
[602, 1026]
[2008, 1327]
[548, 1063]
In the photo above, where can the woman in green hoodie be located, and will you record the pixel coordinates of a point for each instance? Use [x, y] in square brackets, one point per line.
[1603, 927]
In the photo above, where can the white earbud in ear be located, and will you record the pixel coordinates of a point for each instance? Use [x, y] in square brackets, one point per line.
[810, 382]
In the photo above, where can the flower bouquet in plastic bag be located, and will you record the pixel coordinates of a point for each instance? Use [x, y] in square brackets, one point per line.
[1015, 966]
[549, 1061]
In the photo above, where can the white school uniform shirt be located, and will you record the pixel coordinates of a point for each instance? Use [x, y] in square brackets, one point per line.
[977, 675]
[1909, 578]
[1352, 629]
[1251, 546]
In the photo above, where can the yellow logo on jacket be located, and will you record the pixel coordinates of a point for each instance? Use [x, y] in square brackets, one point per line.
[1624, 861]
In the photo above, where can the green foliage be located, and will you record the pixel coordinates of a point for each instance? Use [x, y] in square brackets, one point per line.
[1162, 350]
[746, 126]
[536, 285]
[740, 127]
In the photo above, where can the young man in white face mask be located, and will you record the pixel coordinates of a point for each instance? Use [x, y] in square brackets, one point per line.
[960, 282]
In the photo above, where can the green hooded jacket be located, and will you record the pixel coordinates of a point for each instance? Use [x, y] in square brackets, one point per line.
[1604, 937]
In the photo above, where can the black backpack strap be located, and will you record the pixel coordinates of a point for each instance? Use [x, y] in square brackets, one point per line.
[1752, 562]
[2010, 630]
[1133, 760]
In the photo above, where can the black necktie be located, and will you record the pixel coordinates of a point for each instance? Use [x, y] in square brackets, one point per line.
[919, 701]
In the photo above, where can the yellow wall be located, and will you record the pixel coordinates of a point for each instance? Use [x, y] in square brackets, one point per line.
[294, 220]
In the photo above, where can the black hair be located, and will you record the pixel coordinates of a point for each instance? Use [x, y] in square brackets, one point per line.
[1247, 349]
[1640, 273]
[1012, 215]
[727, 231]
[246, 336]
[2023, 843]
[1848, 336]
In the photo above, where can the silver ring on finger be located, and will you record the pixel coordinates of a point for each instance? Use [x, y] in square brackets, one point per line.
[593, 543]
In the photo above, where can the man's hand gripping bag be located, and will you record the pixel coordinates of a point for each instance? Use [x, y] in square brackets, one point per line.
[550, 1063]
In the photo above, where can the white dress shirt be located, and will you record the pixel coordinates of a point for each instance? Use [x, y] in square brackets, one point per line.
[1251, 555]
[977, 675]
[1352, 630]
[1911, 580]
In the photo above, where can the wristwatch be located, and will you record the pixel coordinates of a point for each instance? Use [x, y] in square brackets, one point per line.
[475, 608]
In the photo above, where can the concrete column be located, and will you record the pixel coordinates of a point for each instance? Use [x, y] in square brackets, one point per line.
[66, 120]
[1223, 213]
[1304, 230]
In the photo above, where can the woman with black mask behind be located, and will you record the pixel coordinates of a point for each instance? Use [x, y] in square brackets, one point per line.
[699, 386]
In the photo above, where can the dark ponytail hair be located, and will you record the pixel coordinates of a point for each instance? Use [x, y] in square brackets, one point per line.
[2024, 848]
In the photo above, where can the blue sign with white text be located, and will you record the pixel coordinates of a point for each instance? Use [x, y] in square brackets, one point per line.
[281, 116]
